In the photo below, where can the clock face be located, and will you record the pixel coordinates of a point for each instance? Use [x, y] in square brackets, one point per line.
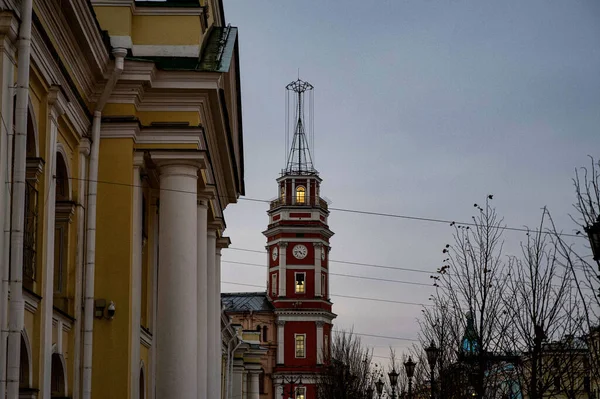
[274, 253]
[300, 251]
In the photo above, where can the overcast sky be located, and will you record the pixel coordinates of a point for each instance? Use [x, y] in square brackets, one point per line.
[421, 108]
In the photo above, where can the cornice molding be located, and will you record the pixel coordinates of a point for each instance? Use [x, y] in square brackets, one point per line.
[147, 10]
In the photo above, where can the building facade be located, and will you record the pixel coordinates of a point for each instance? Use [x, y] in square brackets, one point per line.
[120, 147]
[298, 245]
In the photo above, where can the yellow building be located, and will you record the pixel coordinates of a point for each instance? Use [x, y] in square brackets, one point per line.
[120, 147]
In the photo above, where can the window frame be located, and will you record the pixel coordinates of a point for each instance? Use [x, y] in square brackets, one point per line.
[274, 284]
[300, 199]
[300, 392]
[296, 336]
[296, 285]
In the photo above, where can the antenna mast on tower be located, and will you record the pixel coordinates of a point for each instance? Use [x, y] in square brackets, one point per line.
[299, 160]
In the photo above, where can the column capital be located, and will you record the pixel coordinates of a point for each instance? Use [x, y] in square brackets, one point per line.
[164, 159]
[138, 159]
[280, 322]
[57, 101]
[318, 245]
[84, 146]
[283, 244]
[216, 225]
[223, 242]
[320, 323]
[9, 26]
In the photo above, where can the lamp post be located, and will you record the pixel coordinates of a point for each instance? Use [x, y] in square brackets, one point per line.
[593, 233]
[432, 358]
[410, 371]
[393, 375]
[290, 380]
[379, 387]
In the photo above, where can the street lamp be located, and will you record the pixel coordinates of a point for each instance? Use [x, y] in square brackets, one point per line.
[410, 371]
[593, 233]
[432, 358]
[379, 387]
[370, 392]
[393, 381]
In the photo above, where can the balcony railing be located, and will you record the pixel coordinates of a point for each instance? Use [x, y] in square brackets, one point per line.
[308, 202]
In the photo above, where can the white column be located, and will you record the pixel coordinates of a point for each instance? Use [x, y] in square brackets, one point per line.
[318, 249]
[202, 299]
[50, 212]
[319, 342]
[293, 192]
[136, 276]
[308, 191]
[280, 341]
[282, 268]
[177, 325]
[253, 387]
[217, 321]
[214, 325]
[153, 324]
[237, 380]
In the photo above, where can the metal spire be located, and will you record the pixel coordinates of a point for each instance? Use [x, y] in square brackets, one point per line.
[299, 160]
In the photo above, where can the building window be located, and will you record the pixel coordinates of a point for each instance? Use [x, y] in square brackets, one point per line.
[300, 283]
[264, 334]
[301, 393]
[323, 286]
[261, 382]
[282, 193]
[326, 346]
[274, 284]
[300, 195]
[300, 345]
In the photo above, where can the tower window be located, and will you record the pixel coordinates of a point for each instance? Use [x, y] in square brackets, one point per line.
[300, 284]
[300, 345]
[323, 285]
[300, 195]
[301, 393]
[274, 284]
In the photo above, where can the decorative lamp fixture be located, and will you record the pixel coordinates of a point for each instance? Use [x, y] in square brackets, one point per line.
[432, 354]
[410, 367]
[379, 387]
[393, 377]
[593, 233]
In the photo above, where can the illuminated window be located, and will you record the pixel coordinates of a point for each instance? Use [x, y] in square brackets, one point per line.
[282, 193]
[274, 284]
[300, 285]
[300, 195]
[301, 393]
[300, 345]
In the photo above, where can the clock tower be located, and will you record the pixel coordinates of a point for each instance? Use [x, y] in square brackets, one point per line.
[298, 273]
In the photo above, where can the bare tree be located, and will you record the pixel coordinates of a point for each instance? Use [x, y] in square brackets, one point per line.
[473, 279]
[540, 303]
[348, 373]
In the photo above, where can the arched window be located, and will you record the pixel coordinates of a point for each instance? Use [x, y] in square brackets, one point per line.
[64, 211]
[300, 195]
[57, 380]
[24, 366]
[264, 334]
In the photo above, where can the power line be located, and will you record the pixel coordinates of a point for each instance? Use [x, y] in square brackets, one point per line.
[346, 262]
[344, 296]
[341, 275]
[355, 211]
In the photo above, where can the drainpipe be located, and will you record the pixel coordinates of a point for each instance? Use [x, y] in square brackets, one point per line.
[17, 304]
[90, 264]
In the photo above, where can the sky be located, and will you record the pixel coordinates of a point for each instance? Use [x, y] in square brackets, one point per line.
[422, 108]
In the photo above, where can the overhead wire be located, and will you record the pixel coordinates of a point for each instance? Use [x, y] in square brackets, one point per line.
[355, 211]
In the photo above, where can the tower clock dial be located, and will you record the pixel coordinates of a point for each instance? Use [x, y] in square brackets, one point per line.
[300, 251]
[274, 253]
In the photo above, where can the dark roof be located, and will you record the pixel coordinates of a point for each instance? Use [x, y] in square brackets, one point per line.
[246, 301]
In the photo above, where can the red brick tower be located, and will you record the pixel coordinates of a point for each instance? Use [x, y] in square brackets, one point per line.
[298, 277]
